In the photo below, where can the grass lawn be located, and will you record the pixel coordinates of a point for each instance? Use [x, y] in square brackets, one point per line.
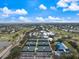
[13, 36]
[62, 33]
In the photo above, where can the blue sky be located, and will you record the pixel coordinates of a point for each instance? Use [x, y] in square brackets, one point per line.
[24, 11]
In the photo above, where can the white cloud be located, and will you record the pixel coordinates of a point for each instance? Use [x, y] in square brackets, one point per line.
[20, 19]
[62, 3]
[70, 0]
[49, 19]
[72, 7]
[40, 19]
[6, 12]
[68, 17]
[53, 8]
[53, 18]
[24, 19]
[72, 21]
[78, 14]
[4, 15]
[21, 11]
[42, 7]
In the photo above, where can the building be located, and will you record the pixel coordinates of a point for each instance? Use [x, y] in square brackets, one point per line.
[61, 48]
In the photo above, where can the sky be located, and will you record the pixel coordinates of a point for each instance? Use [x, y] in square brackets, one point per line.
[34, 11]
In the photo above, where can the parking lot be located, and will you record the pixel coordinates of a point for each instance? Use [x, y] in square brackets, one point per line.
[36, 49]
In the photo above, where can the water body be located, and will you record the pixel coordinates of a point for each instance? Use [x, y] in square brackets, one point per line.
[4, 44]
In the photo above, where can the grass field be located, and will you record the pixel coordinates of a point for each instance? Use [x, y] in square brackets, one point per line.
[13, 36]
